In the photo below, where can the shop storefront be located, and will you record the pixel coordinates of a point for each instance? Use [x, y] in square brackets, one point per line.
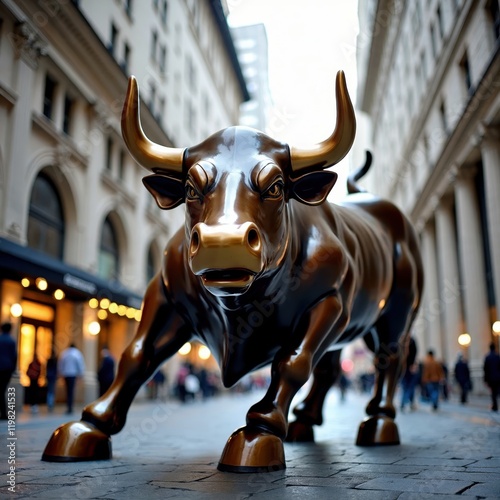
[51, 305]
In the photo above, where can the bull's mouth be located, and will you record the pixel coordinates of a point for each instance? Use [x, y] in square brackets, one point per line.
[228, 278]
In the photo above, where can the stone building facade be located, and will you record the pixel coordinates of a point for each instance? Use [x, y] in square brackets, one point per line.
[80, 237]
[429, 81]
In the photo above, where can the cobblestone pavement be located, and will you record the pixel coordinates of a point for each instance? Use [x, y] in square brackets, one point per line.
[169, 450]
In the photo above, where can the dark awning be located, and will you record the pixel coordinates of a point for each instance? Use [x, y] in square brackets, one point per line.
[17, 262]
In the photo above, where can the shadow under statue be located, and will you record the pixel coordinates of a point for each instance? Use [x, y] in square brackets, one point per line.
[265, 271]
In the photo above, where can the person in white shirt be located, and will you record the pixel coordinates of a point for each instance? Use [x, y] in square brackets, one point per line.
[71, 366]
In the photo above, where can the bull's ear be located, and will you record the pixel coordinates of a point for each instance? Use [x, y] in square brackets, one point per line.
[313, 188]
[167, 191]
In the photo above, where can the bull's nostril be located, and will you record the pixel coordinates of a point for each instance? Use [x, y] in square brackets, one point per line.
[195, 242]
[253, 239]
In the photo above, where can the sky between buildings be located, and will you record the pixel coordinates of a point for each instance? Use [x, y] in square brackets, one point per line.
[309, 41]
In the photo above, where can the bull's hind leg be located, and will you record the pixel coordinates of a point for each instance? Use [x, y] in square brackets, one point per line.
[160, 334]
[310, 411]
[392, 330]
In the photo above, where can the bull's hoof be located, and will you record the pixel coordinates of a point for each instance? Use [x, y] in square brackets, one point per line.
[299, 432]
[252, 450]
[377, 430]
[77, 442]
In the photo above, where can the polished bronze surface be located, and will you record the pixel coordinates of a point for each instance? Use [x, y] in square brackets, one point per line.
[332, 150]
[147, 153]
[76, 442]
[378, 430]
[266, 272]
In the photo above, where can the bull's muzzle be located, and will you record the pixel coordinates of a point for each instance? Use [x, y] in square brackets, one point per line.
[226, 256]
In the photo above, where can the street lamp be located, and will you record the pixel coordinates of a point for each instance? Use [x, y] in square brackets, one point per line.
[464, 339]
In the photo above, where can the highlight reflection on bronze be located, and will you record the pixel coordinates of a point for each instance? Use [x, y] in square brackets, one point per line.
[265, 271]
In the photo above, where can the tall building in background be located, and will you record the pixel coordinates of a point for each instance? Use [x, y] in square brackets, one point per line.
[429, 81]
[80, 237]
[251, 46]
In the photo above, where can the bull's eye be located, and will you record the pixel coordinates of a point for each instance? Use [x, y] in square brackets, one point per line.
[275, 191]
[192, 193]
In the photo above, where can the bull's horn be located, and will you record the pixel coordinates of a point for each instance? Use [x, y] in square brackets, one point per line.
[332, 150]
[147, 153]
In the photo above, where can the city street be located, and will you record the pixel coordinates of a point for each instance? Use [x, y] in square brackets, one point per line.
[169, 450]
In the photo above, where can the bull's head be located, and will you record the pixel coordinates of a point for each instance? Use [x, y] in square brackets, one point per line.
[236, 185]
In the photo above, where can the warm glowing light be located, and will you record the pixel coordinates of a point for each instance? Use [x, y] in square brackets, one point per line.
[102, 314]
[59, 294]
[113, 307]
[138, 315]
[381, 304]
[94, 328]
[130, 312]
[464, 339]
[41, 283]
[347, 365]
[122, 310]
[16, 310]
[25, 282]
[104, 303]
[93, 303]
[496, 327]
[185, 349]
[203, 352]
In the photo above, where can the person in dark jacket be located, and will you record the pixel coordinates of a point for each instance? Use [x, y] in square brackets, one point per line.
[51, 376]
[462, 376]
[106, 372]
[8, 363]
[410, 377]
[492, 375]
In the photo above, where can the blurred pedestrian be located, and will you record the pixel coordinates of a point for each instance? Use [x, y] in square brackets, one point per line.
[492, 375]
[71, 367]
[32, 391]
[343, 385]
[192, 385]
[51, 376]
[8, 364]
[106, 371]
[462, 376]
[432, 376]
[180, 383]
[410, 377]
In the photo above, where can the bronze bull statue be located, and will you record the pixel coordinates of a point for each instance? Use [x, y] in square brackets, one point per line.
[264, 271]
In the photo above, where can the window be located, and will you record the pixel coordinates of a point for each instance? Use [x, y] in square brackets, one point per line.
[190, 117]
[164, 9]
[108, 252]
[152, 98]
[46, 220]
[433, 41]
[126, 57]
[109, 154]
[113, 40]
[494, 12]
[68, 109]
[163, 59]
[48, 98]
[444, 121]
[154, 45]
[161, 110]
[151, 264]
[440, 22]
[191, 73]
[121, 165]
[128, 8]
[465, 68]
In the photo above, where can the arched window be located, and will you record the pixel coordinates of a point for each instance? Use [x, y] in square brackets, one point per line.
[46, 219]
[108, 252]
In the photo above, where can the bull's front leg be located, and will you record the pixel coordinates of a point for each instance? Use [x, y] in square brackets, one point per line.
[160, 334]
[258, 446]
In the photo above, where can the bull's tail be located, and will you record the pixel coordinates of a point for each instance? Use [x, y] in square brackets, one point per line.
[352, 186]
